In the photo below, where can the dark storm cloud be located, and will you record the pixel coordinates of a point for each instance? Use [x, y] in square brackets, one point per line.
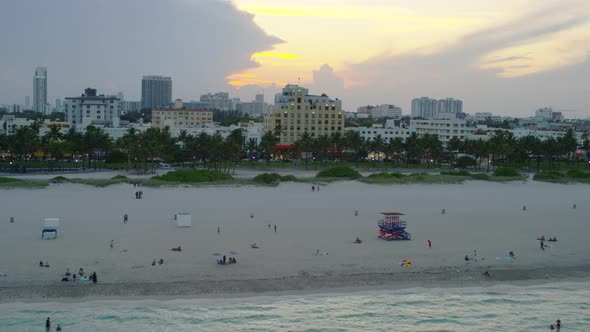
[110, 44]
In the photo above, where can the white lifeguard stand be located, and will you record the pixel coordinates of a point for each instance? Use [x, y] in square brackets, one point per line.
[51, 222]
[49, 230]
[183, 219]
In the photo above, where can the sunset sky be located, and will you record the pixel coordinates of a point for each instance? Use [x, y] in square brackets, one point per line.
[505, 57]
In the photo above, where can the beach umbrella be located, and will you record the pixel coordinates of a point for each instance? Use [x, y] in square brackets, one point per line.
[406, 263]
[216, 254]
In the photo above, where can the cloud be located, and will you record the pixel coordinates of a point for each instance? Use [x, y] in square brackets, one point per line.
[110, 44]
[512, 68]
[325, 80]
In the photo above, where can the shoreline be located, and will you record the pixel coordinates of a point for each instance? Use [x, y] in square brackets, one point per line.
[302, 284]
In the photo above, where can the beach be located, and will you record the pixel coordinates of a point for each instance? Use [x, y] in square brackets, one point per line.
[482, 220]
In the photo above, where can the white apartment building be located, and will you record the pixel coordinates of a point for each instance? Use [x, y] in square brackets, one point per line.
[386, 111]
[180, 119]
[444, 128]
[10, 124]
[92, 109]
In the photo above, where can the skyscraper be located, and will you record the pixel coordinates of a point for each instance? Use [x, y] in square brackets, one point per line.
[40, 89]
[27, 102]
[156, 91]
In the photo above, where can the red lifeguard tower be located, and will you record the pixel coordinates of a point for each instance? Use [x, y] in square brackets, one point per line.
[391, 227]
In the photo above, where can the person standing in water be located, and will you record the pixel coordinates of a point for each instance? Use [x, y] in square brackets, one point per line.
[47, 323]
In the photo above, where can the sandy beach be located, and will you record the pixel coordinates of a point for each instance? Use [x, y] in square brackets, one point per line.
[483, 220]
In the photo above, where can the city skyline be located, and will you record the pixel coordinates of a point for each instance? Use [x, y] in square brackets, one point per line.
[507, 58]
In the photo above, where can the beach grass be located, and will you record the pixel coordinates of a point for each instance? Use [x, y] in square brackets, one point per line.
[18, 183]
[397, 178]
[571, 176]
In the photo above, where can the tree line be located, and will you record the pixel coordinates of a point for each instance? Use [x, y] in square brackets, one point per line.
[142, 150]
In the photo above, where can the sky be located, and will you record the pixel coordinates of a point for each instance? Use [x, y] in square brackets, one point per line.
[505, 57]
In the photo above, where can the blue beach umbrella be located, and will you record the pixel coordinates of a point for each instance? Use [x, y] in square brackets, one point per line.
[216, 254]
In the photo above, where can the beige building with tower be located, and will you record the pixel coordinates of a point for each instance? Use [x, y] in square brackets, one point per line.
[296, 112]
[180, 118]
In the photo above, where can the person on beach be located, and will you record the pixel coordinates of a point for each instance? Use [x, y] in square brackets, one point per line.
[275, 228]
[41, 263]
[224, 259]
[94, 277]
[312, 188]
[268, 225]
[542, 245]
[429, 244]
[218, 230]
[154, 262]
[58, 328]
[487, 274]
[161, 261]
[511, 254]
[125, 218]
[47, 323]
[112, 244]
[558, 324]
[466, 258]
[357, 240]
[81, 272]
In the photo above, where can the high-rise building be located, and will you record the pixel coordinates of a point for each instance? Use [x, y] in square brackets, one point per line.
[40, 90]
[297, 112]
[92, 109]
[27, 102]
[156, 91]
[428, 108]
[220, 101]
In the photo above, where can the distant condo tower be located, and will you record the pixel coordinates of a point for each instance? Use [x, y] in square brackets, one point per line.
[40, 90]
[156, 91]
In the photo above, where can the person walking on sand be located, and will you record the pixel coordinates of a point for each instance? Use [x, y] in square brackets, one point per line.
[275, 228]
[47, 323]
[429, 244]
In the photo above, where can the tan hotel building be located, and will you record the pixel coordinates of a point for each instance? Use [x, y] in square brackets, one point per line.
[180, 118]
[296, 112]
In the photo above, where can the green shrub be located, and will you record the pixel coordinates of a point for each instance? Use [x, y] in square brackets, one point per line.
[267, 178]
[578, 174]
[380, 176]
[397, 175]
[120, 177]
[339, 172]
[193, 176]
[548, 175]
[506, 171]
[466, 161]
[60, 178]
[456, 173]
[8, 180]
[116, 157]
[288, 178]
[479, 176]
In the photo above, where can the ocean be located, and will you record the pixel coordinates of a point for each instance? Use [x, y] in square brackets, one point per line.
[497, 308]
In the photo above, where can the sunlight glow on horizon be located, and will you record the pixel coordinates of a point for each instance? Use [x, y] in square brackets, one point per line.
[323, 32]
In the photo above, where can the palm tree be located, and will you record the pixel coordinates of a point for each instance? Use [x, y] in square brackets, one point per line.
[96, 144]
[235, 145]
[305, 144]
[52, 142]
[268, 145]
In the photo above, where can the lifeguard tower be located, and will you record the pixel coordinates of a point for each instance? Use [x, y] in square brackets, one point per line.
[391, 227]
